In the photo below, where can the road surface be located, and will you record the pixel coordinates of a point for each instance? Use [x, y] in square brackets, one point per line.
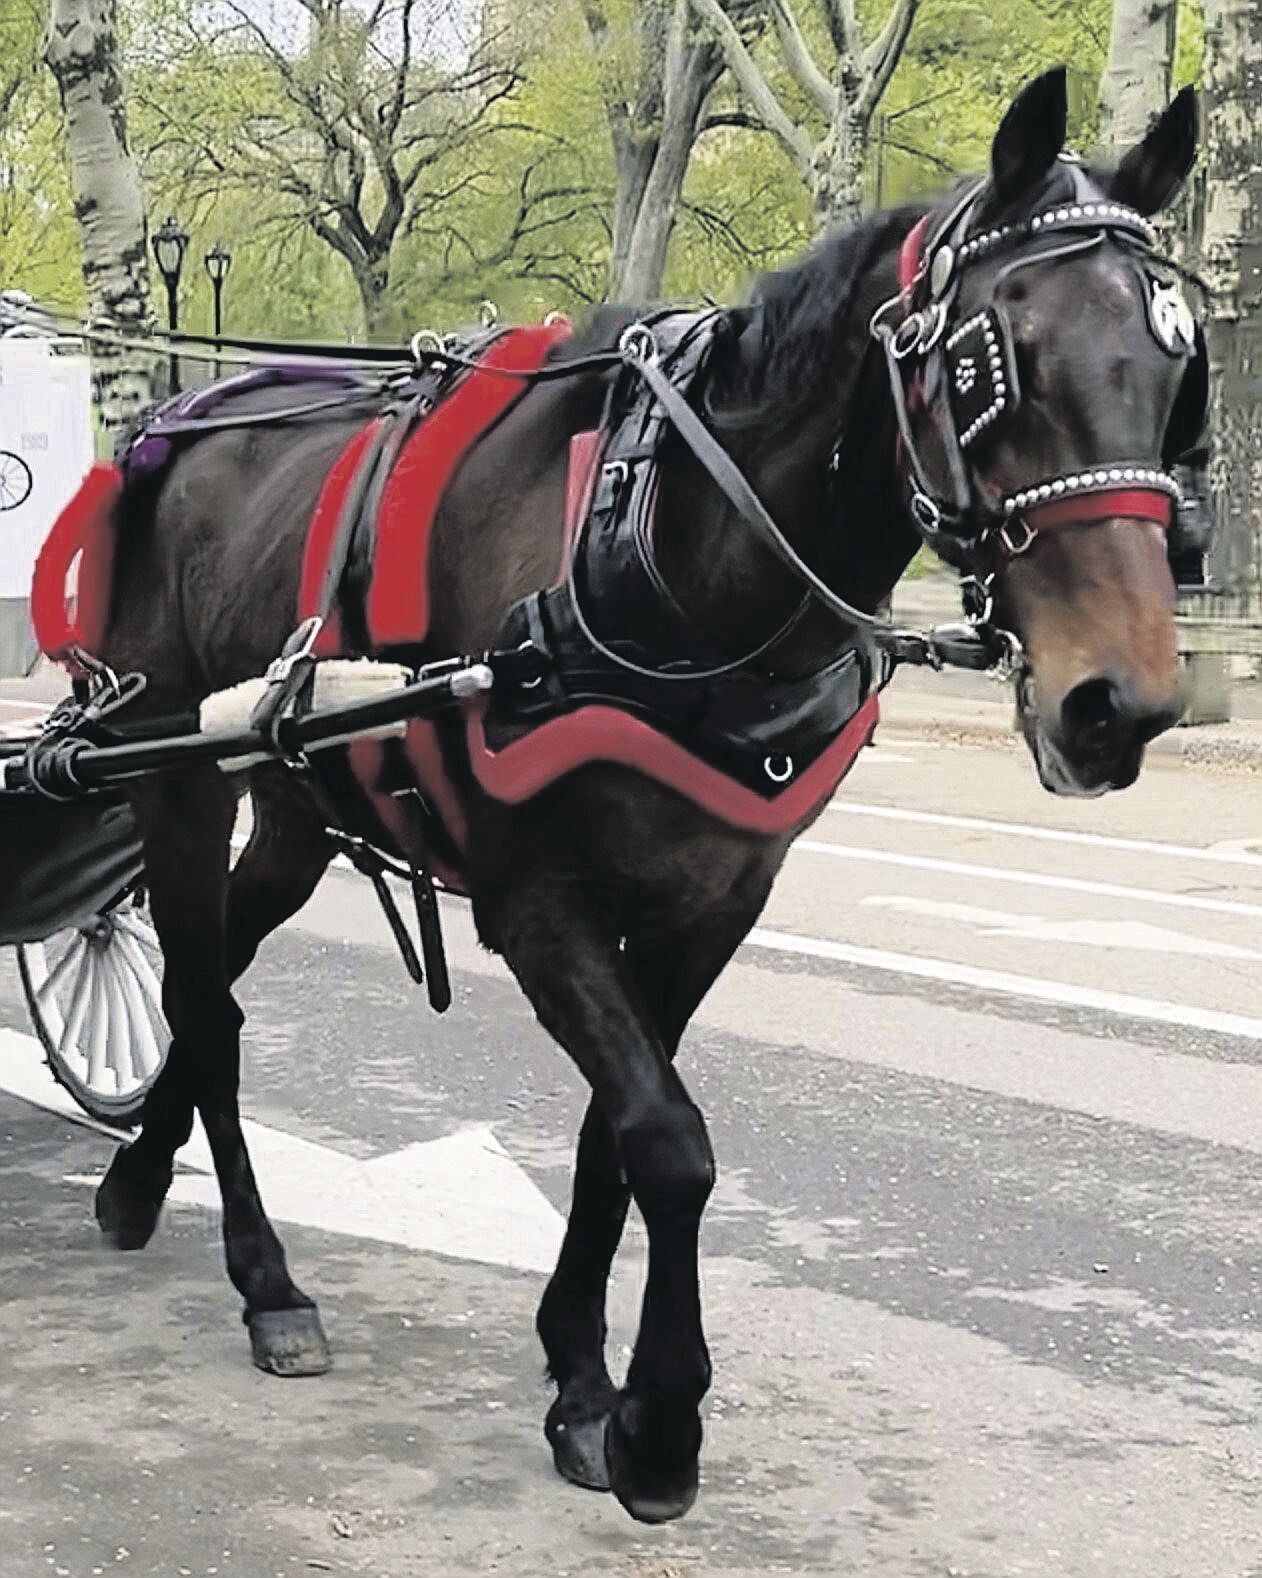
[981, 1270]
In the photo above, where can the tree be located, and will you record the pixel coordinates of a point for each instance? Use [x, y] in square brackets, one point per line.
[1230, 262]
[1137, 79]
[82, 53]
[827, 138]
[364, 121]
[655, 105]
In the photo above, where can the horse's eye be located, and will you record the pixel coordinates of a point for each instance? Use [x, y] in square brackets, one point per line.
[1014, 289]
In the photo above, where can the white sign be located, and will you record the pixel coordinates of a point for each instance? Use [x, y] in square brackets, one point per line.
[45, 448]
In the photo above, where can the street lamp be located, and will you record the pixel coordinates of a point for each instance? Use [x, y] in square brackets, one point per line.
[218, 261]
[169, 245]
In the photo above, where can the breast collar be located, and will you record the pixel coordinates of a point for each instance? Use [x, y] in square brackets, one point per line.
[612, 631]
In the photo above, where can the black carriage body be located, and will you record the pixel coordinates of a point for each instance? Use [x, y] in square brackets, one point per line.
[63, 863]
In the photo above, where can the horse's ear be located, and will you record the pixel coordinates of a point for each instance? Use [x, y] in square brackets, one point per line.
[1030, 135]
[1152, 172]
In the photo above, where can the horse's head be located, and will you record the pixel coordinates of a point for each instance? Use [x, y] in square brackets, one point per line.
[1057, 374]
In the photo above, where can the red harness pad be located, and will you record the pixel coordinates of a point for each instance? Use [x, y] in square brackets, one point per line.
[70, 589]
[397, 604]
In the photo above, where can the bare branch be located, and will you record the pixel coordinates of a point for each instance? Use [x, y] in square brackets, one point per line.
[754, 85]
[800, 61]
[881, 59]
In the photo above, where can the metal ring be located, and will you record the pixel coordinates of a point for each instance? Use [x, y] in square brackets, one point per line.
[781, 773]
[425, 342]
[637, 342]
[935, 318]
[906, 337]
[554, 317]
[488, 313]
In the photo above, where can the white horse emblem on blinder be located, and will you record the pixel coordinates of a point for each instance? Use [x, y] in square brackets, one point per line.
[1172, 319]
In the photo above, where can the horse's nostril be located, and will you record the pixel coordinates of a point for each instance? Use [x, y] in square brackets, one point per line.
[1091, 713]
[1102, 715]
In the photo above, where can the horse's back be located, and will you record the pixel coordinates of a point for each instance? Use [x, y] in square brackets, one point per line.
[208, 564]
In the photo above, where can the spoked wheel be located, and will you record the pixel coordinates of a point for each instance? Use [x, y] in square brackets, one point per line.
[95, 998]
[15, 480]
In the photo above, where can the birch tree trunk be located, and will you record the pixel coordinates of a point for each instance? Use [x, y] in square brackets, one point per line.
[82, 52]
[1137, 79]
[1231, 261]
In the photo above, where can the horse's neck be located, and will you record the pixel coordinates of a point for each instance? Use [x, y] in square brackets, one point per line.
[850, 527]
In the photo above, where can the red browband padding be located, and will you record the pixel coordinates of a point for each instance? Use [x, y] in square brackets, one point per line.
[909, 254]
[1105, 504]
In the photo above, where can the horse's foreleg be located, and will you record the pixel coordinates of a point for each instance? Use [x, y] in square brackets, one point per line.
[671, 974]
[569, 963]
[186, 826]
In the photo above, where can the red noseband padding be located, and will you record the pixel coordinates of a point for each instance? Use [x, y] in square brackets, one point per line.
[1136, 504]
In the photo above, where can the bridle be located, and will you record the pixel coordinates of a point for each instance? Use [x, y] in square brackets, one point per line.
[962, 376]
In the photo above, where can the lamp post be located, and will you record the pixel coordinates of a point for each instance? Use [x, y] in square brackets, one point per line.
[169, 245]
[218, 261]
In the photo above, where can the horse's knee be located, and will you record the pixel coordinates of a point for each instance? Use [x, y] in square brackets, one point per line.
[669, 1162]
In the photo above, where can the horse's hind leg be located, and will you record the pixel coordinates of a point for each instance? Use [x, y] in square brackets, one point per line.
[186, 824]
[672, 975]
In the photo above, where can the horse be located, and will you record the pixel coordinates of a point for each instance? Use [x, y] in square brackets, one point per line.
[614, 900]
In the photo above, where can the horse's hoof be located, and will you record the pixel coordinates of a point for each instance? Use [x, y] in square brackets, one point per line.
[289, 1342]
[578, 1447]
[650, 1493]
[129, 1201]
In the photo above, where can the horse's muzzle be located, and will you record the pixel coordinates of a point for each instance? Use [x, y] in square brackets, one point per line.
[1095, 740]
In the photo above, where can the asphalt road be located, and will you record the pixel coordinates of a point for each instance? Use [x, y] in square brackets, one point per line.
[981, 1271]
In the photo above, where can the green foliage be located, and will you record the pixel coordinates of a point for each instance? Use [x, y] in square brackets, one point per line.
[520, 211]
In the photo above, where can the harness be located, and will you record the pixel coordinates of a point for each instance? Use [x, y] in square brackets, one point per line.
[962, 378]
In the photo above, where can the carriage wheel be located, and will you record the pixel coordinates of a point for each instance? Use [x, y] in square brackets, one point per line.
[15, 480]
[95, 998]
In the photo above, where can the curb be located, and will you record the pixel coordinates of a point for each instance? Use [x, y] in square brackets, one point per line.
[991, 723]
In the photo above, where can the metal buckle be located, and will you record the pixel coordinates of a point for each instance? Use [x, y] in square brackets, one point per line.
[298, 648]
[935, 318]
[976, 591]
[1015, 549]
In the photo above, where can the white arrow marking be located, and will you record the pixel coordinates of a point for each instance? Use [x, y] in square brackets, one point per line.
[462, 1196]
[1137, 935]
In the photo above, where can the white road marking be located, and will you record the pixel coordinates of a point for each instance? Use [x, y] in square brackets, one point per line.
[1007, 984]
[25, 706]
[882, 756]
[1027, 879]
[1143, 846]
[1091, 933]
[461, 1196]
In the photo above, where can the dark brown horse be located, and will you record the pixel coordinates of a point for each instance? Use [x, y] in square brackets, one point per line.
[615, 902]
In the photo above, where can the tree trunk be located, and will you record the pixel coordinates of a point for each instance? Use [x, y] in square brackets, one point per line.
[1137, 79]
[1232, 265]
[837, 173]
[82, 53]
[690, 69]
